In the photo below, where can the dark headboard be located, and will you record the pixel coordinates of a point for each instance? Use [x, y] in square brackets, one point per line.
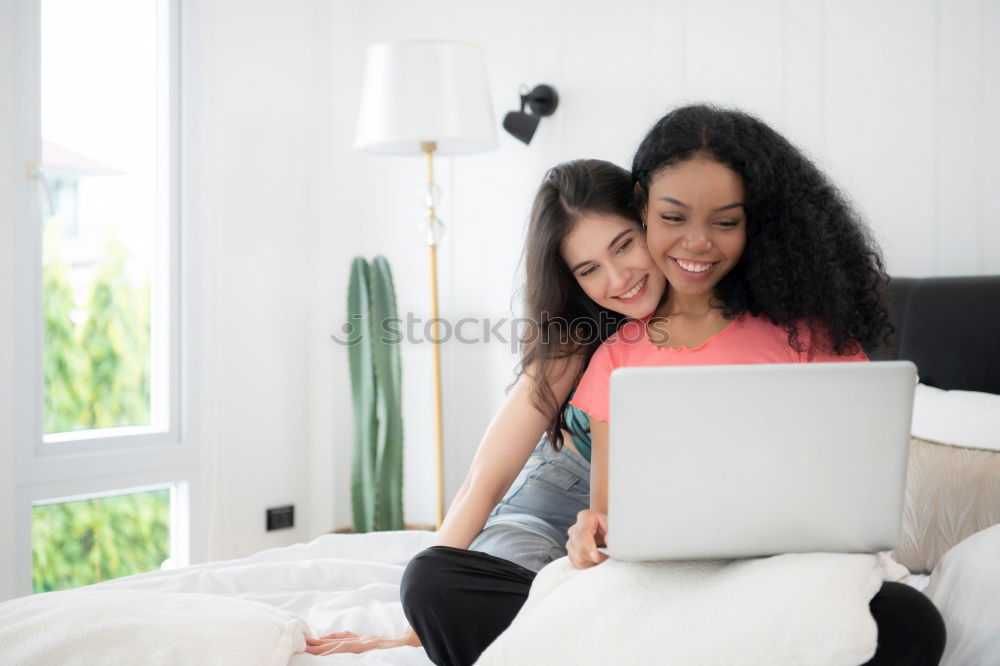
[950, 328]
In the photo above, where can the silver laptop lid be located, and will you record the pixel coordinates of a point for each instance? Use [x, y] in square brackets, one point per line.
[746, 460]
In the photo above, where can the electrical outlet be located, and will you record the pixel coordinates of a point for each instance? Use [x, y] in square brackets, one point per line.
[280, 517]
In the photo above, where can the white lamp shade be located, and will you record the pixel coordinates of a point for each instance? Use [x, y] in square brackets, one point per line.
[418, 91]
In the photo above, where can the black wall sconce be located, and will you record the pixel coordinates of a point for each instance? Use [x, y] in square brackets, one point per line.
[542, 100]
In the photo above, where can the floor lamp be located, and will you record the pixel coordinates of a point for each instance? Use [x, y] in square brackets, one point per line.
[427, 97]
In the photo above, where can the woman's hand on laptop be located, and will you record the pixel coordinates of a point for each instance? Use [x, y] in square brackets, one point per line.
[589, 532]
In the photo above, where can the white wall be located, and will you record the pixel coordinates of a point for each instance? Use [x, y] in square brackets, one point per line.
[248, 151]
[896, 99]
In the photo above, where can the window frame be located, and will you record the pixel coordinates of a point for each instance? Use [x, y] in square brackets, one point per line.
[99, 461]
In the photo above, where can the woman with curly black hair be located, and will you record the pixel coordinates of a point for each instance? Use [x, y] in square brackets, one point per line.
[808, 256]
[765, 260]
[766, 263]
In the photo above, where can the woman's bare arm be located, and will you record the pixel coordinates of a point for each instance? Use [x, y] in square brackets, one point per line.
[591, 528]
[598, 465]
[505, 447]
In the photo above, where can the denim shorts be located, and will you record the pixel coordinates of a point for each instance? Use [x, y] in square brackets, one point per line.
[528, 526]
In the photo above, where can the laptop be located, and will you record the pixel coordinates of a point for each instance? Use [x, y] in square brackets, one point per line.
[732, 461]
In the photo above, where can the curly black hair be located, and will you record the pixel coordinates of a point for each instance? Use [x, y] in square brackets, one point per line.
[809, 256]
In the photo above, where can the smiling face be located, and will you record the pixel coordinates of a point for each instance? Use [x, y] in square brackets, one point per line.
[607, 255]
[696, 225]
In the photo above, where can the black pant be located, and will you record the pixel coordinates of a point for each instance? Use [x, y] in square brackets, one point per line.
[459, 601]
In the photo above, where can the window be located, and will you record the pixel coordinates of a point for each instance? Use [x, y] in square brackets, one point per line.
[83, 541]
[103, 468]
[104, 180]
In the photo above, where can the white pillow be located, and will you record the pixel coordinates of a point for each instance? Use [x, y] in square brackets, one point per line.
[127, 627]
[965, 584]
[965, 587]
[960, 418]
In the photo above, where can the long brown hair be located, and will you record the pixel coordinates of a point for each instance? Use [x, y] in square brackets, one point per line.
[564, 320]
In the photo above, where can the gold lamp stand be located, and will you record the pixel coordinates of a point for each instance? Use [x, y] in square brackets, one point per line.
[449, 112]
[433, 232]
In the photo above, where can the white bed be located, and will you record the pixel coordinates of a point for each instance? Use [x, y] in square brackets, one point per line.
[333, 583]
[351, 582]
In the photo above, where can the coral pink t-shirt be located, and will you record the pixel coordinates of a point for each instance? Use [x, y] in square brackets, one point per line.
[747, 339]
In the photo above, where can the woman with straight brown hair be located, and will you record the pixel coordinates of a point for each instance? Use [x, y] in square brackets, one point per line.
[586, 272]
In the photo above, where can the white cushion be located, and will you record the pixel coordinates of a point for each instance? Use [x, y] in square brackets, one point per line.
[965, 587]
[960, 418]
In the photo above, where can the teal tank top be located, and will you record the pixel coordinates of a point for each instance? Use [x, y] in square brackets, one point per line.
[579, 427]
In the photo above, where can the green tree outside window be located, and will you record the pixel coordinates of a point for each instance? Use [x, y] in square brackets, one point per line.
[97, 375]
[86, 541]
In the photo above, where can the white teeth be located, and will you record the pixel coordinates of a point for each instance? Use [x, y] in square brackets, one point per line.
[634, 290]
[694, 268]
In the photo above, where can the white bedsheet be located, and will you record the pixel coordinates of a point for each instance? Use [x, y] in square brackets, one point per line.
[334, 583]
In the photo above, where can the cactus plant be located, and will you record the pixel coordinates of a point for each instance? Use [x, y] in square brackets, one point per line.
[377, 466]
[388, 373]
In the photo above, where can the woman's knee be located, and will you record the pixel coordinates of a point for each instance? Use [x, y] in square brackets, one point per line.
[910, 628]
[425, 578]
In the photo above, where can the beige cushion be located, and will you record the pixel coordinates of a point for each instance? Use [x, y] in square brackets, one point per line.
[952, 492]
